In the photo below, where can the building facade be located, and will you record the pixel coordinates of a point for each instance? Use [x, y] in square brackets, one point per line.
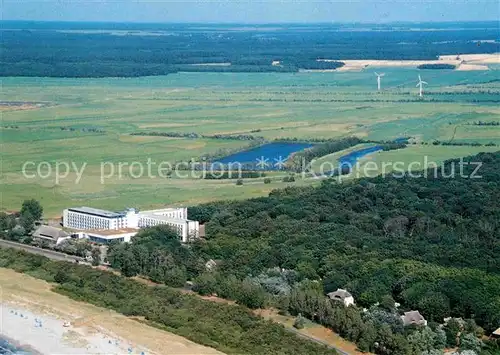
[93, 218]
[186, 229]
[86, 218]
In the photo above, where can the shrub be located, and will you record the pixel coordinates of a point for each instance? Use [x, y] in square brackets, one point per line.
[299, 322]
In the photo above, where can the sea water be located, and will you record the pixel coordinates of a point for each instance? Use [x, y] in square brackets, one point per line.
[7, 348]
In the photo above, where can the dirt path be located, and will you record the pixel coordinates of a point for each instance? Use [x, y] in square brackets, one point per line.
[313, 331]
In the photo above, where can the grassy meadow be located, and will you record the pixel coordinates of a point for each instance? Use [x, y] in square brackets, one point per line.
[277, 105]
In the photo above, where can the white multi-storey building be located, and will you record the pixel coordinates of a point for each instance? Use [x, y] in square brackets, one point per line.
[185, 228]
[86, 218]
[93, 218]
[173, 213]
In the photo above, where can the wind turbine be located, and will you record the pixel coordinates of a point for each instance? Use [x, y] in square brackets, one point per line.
[421, 84]
[378, 79]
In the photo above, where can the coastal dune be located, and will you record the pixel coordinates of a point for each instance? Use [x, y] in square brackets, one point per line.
[34, 316]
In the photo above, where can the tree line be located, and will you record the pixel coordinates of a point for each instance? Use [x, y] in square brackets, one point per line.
[482, 123]
[436, 66]
[62, 54]
[193, 135]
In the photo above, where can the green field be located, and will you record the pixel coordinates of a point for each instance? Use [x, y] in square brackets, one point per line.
[302, 105]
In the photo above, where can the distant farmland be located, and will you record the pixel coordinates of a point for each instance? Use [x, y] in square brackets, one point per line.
[90, 121]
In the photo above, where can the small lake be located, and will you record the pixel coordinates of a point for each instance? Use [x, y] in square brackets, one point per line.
[347, 162]
[269, 154]
[353, 157]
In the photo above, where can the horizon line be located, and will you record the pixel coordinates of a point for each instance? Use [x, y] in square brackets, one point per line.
[254, 23]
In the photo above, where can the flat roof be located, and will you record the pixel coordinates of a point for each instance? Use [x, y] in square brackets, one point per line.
[96, 212]
[108, 232]
[160, 210]
[164, 218]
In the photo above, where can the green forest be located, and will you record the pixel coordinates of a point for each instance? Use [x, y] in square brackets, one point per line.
[395, 243]
[430, 244]
[119, 50]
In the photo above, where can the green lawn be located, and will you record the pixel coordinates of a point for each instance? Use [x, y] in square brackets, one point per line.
[413, 158]
[302, 105]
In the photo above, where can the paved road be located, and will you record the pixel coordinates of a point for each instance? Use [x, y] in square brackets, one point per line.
[54, 255]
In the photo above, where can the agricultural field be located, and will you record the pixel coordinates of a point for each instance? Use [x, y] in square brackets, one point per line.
[87, 123]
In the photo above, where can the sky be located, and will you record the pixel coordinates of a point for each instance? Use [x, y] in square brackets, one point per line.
[251, 11]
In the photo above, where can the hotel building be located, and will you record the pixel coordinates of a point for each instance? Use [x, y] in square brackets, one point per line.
[86, 218]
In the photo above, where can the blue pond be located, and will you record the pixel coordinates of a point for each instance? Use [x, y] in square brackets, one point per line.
[352, 158]
[271, 153]
[347, 162]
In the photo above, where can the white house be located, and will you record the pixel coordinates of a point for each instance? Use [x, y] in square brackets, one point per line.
[343, 296]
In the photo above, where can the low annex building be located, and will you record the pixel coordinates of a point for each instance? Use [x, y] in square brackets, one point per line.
[97, 220]
[50, 234]
[343, 296]
[105, 236]
[496, 334]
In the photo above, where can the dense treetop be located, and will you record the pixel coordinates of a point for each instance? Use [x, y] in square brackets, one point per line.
[103, 50]
[432, 243]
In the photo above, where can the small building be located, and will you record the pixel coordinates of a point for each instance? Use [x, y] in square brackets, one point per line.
[343, 296]
[50, 234]
[496, 334]
[413, 318]
[210, 265]
[201, 232]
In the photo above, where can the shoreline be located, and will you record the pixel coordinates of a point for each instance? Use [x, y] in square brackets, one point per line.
[19, 345]
[73, 327]
[41, 333]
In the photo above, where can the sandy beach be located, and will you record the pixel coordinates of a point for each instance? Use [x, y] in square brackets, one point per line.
[34, 316]
[48, 335]
[463, 62]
